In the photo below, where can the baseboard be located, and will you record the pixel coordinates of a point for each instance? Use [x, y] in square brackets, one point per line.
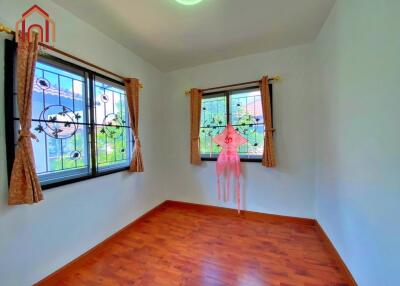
[329, 245]
[52, 279]
[243, 213]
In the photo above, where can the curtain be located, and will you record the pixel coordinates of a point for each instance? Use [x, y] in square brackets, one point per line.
[195, 110]
[132, 87]
[268, 159]
[24, 185]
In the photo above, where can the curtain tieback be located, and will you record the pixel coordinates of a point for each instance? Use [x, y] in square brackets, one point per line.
[195, 138]
[137, 141]
[27, 133]
[270, 129]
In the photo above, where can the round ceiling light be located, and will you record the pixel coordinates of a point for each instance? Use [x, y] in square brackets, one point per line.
[188, 2]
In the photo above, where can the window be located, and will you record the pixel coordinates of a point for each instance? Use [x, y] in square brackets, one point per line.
[242, 108]
[80, 119]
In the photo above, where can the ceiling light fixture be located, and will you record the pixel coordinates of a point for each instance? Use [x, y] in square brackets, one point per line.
[188, 2]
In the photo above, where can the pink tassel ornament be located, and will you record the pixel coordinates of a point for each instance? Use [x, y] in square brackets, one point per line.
[228, 162]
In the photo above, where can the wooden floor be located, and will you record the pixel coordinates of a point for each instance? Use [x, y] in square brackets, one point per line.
[179, 244]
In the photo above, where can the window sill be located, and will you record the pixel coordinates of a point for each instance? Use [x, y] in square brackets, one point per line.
[83, 178]
[241, 160]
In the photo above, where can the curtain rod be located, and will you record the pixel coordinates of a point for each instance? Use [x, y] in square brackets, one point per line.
[275, 78]
[4, 29]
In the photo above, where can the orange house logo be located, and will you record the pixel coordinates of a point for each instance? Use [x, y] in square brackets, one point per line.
[36, 20]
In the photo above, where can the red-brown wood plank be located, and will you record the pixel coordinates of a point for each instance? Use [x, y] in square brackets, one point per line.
[183, 244]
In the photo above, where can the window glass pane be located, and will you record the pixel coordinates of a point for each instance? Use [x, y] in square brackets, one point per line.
[113, 134]
[246, 116]
[62, 123]
[213, 121]
[59, 121]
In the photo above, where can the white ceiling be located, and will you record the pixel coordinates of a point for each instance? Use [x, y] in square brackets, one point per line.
[172, 36]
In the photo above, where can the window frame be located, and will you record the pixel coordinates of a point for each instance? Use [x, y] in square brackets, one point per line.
[227, 93]
[10, 53]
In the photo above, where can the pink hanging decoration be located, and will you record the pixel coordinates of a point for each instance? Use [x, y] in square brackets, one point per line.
[228, 161]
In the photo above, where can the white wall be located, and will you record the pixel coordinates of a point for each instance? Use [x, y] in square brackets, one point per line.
[358, 155]
[287, 189]
[36, 240]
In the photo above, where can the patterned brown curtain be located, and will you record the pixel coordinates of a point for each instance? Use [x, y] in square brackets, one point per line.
[268, 159]
[195, 109]
[24, 185]
[132, 87]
